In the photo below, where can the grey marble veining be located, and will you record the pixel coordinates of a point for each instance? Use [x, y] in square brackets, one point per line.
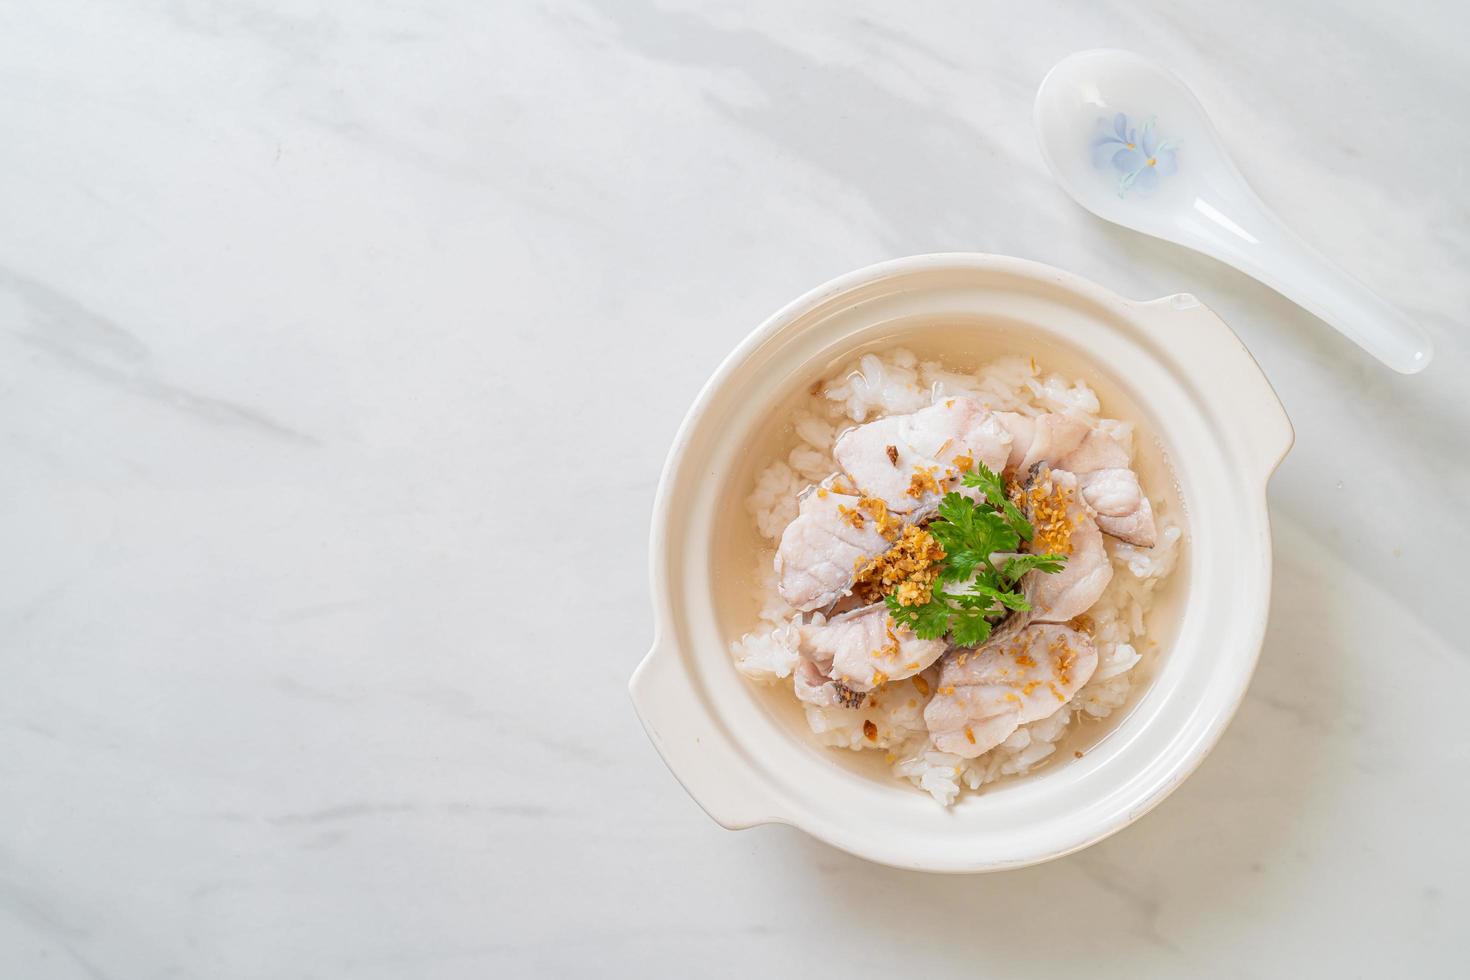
[297, 301]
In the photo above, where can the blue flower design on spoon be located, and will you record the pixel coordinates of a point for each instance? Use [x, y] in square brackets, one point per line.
[1136, 155]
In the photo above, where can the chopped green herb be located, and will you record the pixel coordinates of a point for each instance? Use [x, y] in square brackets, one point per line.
[990, 482]
[974, 537]
[929, 621]
[1018, 565]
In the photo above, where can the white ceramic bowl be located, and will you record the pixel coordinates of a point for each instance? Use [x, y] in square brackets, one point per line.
[1223, 431]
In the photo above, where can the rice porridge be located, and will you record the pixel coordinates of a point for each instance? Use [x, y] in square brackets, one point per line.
[952, 562]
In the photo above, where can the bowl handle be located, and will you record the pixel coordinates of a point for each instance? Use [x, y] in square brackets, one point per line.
[1192, 334]
[693, 745]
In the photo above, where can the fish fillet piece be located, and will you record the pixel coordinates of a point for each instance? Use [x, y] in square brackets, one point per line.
[822, 548]
[1096, 451]
[1110, 486]
[1099, 462]
[815, 687]
[1121, 508]
[1059, 596]
[1023, 432]
[856, 652]
[1054, 436]
[986, 694]
[908, 461]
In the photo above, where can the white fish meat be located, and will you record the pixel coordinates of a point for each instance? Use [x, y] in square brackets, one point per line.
[1102, 467]
[883, 458]
[849, 655]
[834, 534]
[1057, 597]
[986, 694]
[821, 550]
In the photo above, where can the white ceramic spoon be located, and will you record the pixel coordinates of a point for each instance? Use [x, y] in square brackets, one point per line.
[1132, 144]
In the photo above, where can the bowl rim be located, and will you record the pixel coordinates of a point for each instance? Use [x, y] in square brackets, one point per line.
[692, 744]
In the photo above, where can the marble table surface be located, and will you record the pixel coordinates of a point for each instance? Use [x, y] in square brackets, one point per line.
[314, 663]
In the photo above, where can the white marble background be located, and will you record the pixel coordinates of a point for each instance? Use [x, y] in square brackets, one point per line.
[313, 656]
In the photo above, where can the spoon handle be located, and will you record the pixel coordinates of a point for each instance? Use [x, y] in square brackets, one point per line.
[1242, 232]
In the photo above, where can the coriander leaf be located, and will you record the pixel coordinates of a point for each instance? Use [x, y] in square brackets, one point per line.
[958, 510]
[900, 615]
[1008, 599]
[971, 628]
[989, 534]
[929, 621]
[969, 534]
[960, 565]
[970, 600]
[979, 539]
[990, 482]
[983, 477]
[1019, 565]
[951, 537]
[1017, 520]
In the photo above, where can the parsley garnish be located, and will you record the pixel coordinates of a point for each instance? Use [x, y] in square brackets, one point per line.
[972, 536]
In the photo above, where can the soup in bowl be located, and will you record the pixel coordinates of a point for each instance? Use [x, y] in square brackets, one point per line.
[960, 562]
